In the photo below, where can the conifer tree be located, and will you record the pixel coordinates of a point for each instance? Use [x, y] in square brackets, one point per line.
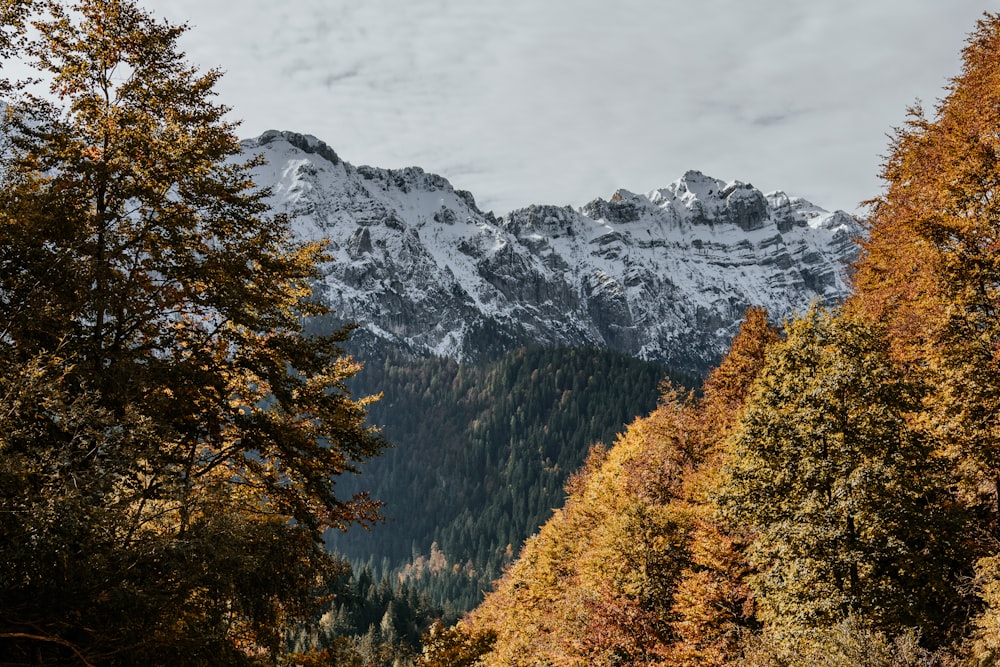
[171, 438]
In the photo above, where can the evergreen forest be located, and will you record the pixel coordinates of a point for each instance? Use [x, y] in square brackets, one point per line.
[483, 454]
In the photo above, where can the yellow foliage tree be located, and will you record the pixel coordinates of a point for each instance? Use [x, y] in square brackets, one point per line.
[850, 514]
[172, 437]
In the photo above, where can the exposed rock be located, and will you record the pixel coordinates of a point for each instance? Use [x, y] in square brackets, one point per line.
[666, 275]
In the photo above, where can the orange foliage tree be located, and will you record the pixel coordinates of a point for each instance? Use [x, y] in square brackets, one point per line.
[713, 603]
[931, 272]
[931, 267]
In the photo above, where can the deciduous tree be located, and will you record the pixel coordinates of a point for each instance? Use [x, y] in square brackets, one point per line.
[848, 507]
[171, 438]
[931, 268]
[713, 604]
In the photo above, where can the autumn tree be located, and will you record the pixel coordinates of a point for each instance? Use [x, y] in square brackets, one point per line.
[931, 272]
[455, 646]
[713, 603]
[931, 267]
[170, 439]
[595, 585]
[847, 505]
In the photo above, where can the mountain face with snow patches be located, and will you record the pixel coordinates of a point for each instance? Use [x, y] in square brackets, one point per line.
[667, 275]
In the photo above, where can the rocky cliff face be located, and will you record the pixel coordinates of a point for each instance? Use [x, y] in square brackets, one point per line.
[666, 275]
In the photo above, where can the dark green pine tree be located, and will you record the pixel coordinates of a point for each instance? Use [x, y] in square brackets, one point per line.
[170, 438]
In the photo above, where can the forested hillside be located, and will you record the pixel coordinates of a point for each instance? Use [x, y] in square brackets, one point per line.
[482, 454]
[833, 496]
[177, 441]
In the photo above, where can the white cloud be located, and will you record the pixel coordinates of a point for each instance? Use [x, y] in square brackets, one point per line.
[561, 101]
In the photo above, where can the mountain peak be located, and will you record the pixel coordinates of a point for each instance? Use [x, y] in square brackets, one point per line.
[304, 142]
[696, 184]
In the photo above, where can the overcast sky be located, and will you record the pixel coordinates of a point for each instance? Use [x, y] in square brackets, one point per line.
[561, 101]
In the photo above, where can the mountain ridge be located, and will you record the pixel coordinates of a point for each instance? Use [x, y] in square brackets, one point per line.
[665, 275]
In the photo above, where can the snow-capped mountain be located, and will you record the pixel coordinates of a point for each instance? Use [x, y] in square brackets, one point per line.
[666, 275]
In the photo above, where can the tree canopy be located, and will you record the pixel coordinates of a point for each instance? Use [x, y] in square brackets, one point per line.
[847, 504]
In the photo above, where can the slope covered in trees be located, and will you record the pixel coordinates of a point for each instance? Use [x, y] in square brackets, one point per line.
[792, 511]
[603, 581]
[482, 454]
[833, 497]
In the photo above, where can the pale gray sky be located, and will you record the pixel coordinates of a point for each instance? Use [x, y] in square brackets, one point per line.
[561, 101]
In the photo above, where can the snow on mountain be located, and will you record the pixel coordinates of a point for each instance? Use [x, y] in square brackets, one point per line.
[666, 275]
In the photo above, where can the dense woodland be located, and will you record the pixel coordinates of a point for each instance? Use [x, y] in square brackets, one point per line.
[174, 441]
[483, 454]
